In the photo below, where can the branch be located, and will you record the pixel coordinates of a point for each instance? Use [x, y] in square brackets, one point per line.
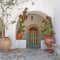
[2, 6]
[6, 8]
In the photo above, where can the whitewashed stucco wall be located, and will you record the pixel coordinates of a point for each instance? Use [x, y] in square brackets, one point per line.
[57, 20]
[44, 6]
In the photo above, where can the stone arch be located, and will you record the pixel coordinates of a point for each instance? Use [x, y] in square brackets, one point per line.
[40, 13]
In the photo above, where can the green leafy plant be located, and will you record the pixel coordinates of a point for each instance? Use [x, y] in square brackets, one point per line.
[22, 18]
[5, 6]
[46, 27]
[21, 27]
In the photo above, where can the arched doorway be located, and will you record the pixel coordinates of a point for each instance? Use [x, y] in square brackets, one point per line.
[33, 36]
[32, 26]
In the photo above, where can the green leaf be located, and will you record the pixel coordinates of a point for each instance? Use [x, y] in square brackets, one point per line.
[8, 14]
[12, 22]
[0, 1]
[46, 28]
[9, 3]
[33, 3]
[23, 26]
[19, 9]
[23, 31]
[7, 28]
[10, 8]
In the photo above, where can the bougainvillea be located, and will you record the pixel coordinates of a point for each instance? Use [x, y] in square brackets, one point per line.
[23, 16]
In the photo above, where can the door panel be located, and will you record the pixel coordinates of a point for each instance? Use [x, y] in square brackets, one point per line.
[33, 40]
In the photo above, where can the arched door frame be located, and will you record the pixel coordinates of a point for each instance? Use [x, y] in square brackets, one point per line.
[36, 41]
[32, 25]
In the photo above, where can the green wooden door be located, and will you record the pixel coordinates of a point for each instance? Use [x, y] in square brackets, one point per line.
[33, 40]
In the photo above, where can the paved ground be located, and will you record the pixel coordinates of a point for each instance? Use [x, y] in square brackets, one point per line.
[25, 54]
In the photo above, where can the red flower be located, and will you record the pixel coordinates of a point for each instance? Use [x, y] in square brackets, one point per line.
[47, 17]
[26, 9]
[20, 16]
[25, 17]
[43, 20]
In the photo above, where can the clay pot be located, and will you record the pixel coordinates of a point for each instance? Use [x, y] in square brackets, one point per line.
[19, 35]
[5, 43]
[49, 50]
[48, 37]
[49, 42]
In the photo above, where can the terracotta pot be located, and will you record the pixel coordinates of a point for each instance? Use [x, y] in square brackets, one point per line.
[19, 35]
[49, 50]
[48, 37]
[49, 42]
[5, 43]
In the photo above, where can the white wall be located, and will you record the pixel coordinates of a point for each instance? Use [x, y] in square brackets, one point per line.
[20, 44]
[36, 20]
[44, 6]
[57, 20]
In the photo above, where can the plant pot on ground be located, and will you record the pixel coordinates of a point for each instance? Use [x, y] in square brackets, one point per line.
[18, 35]
[5, 43]
[48, 32]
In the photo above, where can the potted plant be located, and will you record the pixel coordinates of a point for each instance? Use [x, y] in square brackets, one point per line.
[20, 30]
[21, 27]
[5, 6]
[48, 32]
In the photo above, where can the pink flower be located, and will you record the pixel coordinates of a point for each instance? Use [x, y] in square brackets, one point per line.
[43, 20]
[20, 16]
[47, 17]
[25, 17]
[26, 9]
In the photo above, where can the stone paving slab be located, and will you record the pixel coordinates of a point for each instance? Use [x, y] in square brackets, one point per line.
[25, 54]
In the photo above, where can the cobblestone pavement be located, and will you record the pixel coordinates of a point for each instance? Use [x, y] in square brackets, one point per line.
[25, 54]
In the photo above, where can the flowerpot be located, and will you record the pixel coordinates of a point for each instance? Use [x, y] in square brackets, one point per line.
[48, 37]
[49, 50]
[49, 42]
[5, 43]
[19, 35]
